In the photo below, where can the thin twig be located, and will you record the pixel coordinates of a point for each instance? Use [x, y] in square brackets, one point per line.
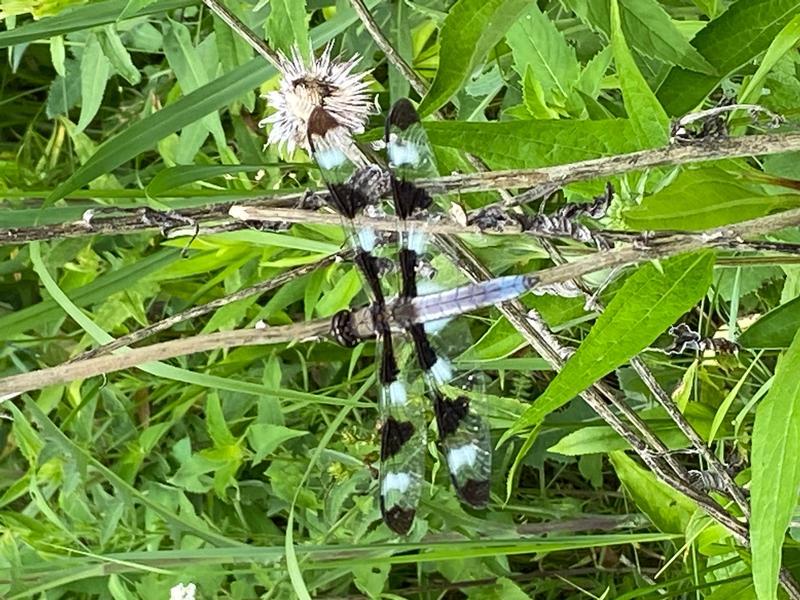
[538, 179]
[202, 309]
[677, 244]
[136, 356]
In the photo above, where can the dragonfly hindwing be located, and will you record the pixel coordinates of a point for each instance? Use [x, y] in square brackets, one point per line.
[464, 434]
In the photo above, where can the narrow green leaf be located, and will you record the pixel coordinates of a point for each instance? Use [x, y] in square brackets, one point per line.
[648, 118]
[603, 439]
[29, 441]
[529, 144]
[174, 177]
[215, 423]
[703, 198]
[785, 41]
[591, 77]
[776, 329]
[82, 18]
[143, 135]
[117, 54]
[776, 470]
[400, 36]
[287, 27]
[725, 405]
[533, 96]
[729, 42]
[190, 70]
[94, 74]
[669, 510]
[133, 7]
[58, 54]
[536, 44]
[641, 310]
[470, 30]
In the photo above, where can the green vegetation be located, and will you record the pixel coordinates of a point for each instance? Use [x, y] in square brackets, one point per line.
[129, 128]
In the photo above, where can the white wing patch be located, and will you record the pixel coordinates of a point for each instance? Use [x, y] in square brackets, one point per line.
[417, 240]
[402, 154]
[395, 482]
[442, 371]
[397, 394]
[463, 456]
[329, 158]
[367, 239]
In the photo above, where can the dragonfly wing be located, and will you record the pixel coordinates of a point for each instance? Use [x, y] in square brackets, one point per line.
[464, 434]
[403, 448]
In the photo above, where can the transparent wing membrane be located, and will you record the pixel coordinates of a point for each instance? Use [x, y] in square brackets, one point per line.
[414, 370]
[464, 435]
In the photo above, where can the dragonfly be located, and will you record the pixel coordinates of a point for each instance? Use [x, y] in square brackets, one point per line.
[463, 429]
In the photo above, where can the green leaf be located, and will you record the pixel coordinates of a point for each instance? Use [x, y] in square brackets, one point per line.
[118, 55]
[591, 79]
[648, 29]
[784, 42]
[94, 74]
[287, 27]
[29, 441]
[215, 422]
[669, 510]
[776, 329]
[471, 29]
[537, 45]
[174, 177]
[143, 135]
[400, 37]
[603, 439]
[530, 144]
[648, 303]
[729, 42]
[133, 7]
[648, 118]
[703, 198]
[533, 97]
[775, 469]
[82, 18]
[58, 54]
[64, 91]
[265, 438]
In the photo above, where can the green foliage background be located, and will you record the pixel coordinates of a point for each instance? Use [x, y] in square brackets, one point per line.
[249, 471]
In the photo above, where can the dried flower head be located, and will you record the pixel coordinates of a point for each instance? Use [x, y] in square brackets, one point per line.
[326, 82]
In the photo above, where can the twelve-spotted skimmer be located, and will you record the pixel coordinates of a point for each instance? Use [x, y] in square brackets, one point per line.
[464, 435]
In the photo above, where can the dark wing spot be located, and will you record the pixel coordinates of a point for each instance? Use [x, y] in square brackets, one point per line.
[449, 414]
[402, 114]
[426, 355]
[394, 434]
[320, 122]
[475, 492]
[409, 198]
[348, 200]
[398, 519]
